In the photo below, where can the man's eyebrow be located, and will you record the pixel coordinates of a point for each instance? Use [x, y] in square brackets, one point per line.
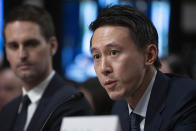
[31, 40]
[113, 44]
[93, 50]
[9, 43]
[110, 45]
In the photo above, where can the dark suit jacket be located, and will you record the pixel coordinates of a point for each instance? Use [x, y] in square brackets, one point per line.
[172, 105]
[58, 100]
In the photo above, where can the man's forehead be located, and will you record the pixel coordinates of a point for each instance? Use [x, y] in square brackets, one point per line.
[104, 46]
[20, 26]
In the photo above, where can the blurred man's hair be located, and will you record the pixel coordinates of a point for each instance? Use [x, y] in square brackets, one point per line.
[33, 14]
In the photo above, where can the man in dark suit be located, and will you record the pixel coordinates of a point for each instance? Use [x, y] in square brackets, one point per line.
[124, 47]
[30, 43]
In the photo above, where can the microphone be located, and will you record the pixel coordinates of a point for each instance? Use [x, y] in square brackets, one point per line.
[75, 96]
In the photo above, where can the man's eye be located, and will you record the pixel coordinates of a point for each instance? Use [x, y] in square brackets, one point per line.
[32, 43]
[12, 46]
[113, 52]
[96, 56]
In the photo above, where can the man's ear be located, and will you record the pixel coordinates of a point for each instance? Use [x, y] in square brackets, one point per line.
[151, 53]
[53, 45]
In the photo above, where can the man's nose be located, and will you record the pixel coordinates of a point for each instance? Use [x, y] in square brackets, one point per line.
[106, 67]
[23, 53]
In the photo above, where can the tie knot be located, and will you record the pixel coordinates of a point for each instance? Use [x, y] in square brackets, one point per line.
[25, 101]
[135, 121]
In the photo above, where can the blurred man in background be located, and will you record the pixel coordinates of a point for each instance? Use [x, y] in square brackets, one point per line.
[30, 44]
[173, 64]
[10, 86]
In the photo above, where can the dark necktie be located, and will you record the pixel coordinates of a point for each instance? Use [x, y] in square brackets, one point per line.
[135, 121]
[22, 114]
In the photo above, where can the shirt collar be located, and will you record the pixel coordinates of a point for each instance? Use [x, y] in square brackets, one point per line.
[36, 93]
[141, 107]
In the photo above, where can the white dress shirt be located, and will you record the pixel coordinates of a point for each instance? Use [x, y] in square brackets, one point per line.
[141, 107]
[35, 95]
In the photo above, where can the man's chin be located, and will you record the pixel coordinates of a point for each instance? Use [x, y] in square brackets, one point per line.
[115, 96]
[25, 76]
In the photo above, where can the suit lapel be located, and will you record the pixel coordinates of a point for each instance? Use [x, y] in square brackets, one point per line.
[8, 115]
[120, 108]
[46, 104]
[156, 103]
[125, 117]
[56, 93]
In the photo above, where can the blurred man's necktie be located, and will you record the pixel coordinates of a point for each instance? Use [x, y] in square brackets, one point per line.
[22, 115]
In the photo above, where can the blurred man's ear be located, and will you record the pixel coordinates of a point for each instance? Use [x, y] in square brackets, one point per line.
[53, 45]
[151, 53]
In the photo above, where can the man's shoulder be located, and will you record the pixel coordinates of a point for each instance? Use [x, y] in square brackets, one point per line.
[180, 97]
[67, 101]
[59, 100]
[179, 102]
[12, 104]
[8, 113]
[58, 85]
[178, 89]
[175, 83]
[181, 84]
[59, 90]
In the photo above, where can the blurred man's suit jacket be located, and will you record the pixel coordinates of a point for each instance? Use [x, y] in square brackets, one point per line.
[58, 100]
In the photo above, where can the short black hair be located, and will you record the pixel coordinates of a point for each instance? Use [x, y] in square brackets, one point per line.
[141, 28]
[33, 14]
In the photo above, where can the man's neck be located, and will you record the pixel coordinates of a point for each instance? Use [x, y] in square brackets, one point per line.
[28, 85]
[134, 99]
